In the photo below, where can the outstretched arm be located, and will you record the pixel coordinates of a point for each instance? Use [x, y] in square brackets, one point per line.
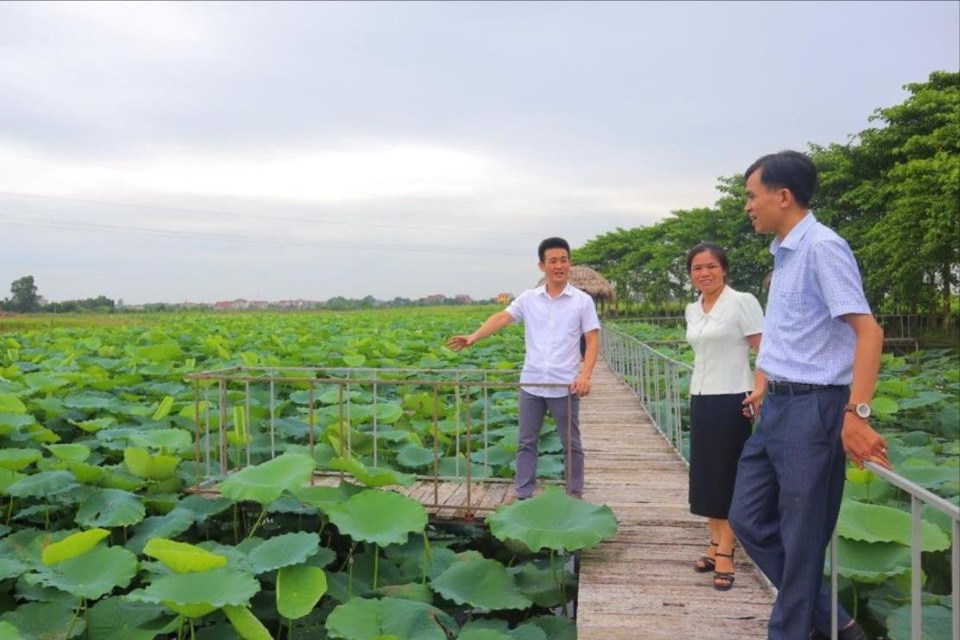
[490, 326]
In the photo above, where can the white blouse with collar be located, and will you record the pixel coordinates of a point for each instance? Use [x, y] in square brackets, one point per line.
[719, 340]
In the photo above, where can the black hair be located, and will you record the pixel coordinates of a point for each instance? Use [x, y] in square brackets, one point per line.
[787, 170]
[552, 243]
[718, 252]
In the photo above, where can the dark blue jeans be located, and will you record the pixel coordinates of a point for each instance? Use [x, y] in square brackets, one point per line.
[786, 501]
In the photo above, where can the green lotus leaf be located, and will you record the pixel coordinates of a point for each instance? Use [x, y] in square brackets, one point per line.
[870, 562]
[876, 523]
[480, 583]
[89, 401]
[110, 508]
[71, 452]
[861, 476]
[10, 422]
[282, 551]
[299, 589]
[11, 404]
[72, 546]
[12, 567]
[181, 557]
[381, 517]
[327, 497]
[85, 473]
[116, 619]
[455, 467]
[9, 632]
[372, 476]
[265, 482]
[414, 456]
[416, 591]
[354, 360]
[8, 477]
[936, 623]
[164, 352]
[882, 405]
[246, 624]
[53, 619]
[540, 585]
[360, 619]
[553, 520]
[17, 459]
[929, 476]
[496, 455]
[476, 632]
[43, 485]
[168, 439]
[43, 382]
[96, 424]
[168, 525]
[556, 627]
[197, 594]
[143, 464]
[92, 574]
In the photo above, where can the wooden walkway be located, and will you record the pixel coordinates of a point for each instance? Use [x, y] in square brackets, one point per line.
[641, 585]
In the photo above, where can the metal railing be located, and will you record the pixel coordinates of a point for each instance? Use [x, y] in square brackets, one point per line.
[248, 415]
[661, 383]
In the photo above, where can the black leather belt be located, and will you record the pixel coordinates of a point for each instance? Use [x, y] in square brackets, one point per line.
[779, 388]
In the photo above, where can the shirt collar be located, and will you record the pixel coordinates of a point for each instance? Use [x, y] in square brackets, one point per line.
[567, 290]
[792, 239]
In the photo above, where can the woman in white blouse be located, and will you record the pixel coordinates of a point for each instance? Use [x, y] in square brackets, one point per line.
[722, 326]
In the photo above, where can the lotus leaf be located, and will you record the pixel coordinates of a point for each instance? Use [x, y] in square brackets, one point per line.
[8, 477]
[17, 459]
[45, 620]
[875, 523]
[480, 583]
[540, 585]
[143, 464]
[96, 424]
[553, 520]
[167, 439]
[91, 575]
[372, 476]
[43, 485]
[85, 473]
[380, 517]
[283, 551]
[414, 456]
[11, 404]
[884, 406]
[44, 382]
[9, 632]
[354, 360]
[265, 482]
[69, 452]
[110, 508]
[929, 476]
[299, 589]
[361, 619]
[181, 557]
[936, 623]
[166, 526]
[116, 619]
[416, 591]
[556, 627]
[10, 422]
[197, 594]
[479, 633]
[871, 562]
[479, 629]
[72, 546]
[89, 401]
[11, 567]
[246, 624]
[163, 352]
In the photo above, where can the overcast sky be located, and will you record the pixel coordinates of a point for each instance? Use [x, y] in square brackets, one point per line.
[171, 152]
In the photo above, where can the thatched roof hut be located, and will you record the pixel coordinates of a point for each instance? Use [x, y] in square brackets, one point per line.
[592, 283]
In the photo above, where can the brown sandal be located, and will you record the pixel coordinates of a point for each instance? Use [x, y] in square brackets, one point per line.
[723, 580]
[705, 563]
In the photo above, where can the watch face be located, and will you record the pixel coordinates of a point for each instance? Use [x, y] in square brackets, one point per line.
[863, 410]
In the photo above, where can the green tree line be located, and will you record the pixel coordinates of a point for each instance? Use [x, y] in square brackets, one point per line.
[892, 191]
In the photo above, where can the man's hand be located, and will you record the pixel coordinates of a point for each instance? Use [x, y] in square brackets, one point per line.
[456, 343]
[580, 386]
[862, 443]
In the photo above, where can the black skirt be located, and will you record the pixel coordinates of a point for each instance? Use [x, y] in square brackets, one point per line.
[718, 431]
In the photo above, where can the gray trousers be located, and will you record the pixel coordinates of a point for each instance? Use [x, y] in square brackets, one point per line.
[566, 413]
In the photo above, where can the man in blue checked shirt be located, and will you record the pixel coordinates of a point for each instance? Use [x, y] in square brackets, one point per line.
[820, 357]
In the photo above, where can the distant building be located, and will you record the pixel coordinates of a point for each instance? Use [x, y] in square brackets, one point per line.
[436, 298]
[464, 299]
[504, 298]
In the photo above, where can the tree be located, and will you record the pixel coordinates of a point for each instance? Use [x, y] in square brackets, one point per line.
[25, 298]
[894, 193]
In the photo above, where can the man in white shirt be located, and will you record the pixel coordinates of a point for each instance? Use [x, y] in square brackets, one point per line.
[554, 316]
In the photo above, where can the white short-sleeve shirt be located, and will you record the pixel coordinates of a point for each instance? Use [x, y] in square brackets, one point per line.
[552, 328]
[719, 339]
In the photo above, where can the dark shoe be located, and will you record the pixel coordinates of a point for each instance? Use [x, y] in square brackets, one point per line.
[853, 632]
[723, 580]
[705, 563]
